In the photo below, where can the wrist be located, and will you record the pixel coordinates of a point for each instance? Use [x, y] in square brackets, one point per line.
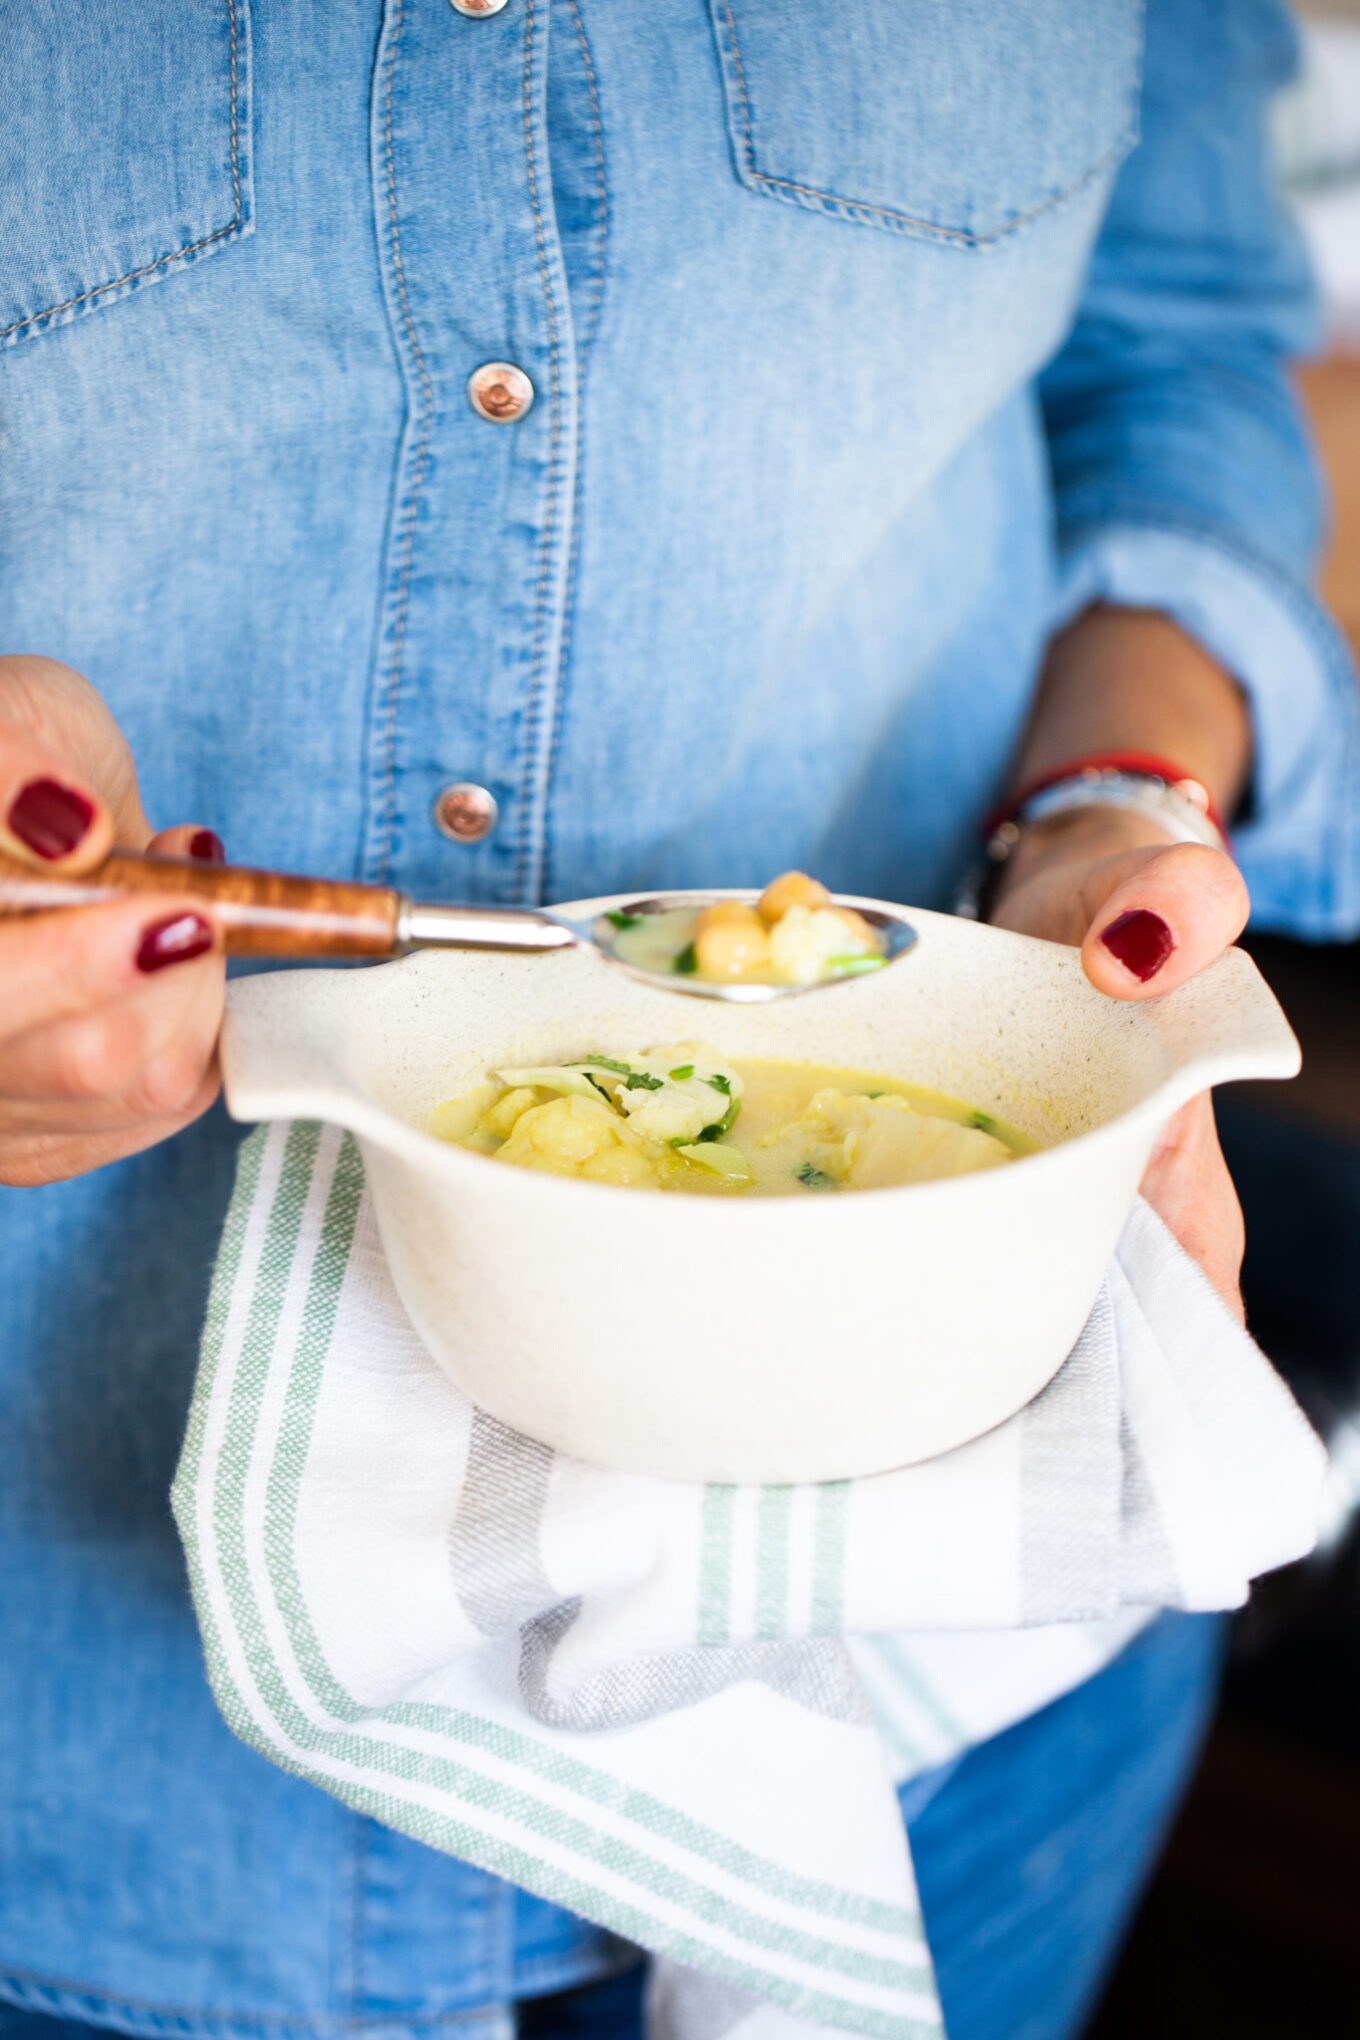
[1078, 836]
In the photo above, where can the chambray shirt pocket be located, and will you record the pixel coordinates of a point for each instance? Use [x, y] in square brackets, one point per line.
[124, 149]
[956, 121]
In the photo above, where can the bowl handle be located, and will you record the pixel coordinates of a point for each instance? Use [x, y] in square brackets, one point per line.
[1223, 1026]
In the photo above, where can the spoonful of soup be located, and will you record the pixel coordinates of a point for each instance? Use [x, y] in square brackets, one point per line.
[790, 938]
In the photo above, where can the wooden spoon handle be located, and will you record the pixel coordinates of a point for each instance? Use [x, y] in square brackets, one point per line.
[259, 913]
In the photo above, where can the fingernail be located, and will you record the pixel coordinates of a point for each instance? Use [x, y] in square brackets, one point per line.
[207, 846]
[1140, 941]
[176, 940]
[49, 818]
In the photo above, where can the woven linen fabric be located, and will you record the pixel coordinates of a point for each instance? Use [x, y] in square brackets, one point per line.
[680, 1709]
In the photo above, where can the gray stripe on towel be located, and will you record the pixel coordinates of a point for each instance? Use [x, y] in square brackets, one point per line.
[1147, 1569]
[1071, 1478]
[686, 2004]
[494, 1544]
[815, 1673]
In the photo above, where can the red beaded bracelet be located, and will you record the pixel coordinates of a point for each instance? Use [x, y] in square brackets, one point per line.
[1145, 764]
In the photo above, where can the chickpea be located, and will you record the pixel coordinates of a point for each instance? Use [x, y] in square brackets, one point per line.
[790, 889]
[729, 940]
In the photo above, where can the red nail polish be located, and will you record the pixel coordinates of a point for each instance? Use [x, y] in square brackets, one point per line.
[207, 846]
[176, 940]
[1141, 941]
[50, 818]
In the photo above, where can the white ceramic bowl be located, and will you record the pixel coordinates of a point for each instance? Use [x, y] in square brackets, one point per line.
[765, 1339]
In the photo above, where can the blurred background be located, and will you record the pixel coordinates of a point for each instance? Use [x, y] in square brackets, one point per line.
[1251, 1927]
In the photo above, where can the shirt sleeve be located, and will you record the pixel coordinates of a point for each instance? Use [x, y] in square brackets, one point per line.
[1183, 475]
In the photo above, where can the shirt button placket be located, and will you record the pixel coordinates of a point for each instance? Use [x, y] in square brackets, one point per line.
[463, 698]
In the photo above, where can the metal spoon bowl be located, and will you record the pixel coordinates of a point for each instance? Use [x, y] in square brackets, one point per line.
[895, 931]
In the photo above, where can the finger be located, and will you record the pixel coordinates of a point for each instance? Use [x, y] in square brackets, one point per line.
[1179, 910]
[203, 845]
[55, 707]
[1188, 1185]
[138, 1056]
[57, 965]
[47, 1155]
[49, 814]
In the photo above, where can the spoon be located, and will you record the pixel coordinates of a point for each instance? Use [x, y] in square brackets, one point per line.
[269, 913]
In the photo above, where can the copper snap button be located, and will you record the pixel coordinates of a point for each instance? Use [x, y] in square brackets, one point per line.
[499, 392]
[465, 813]
[476, 7]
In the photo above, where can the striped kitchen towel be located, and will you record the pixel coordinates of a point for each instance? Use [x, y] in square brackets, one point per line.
[680, 1710]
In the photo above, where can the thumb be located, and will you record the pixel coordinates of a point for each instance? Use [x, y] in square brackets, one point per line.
[49, 815]
[1172, 917]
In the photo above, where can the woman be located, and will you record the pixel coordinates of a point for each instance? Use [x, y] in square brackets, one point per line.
[520, 449]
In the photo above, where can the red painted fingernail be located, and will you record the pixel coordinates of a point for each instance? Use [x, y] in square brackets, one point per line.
[1141, 941]
[207, 846]
[176, 940]
[49, 817]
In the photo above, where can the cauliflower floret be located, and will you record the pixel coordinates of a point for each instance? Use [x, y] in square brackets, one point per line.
[690, 1089]
[668, 1114]
[577, 1137]
[807, 939]
[501, 1121]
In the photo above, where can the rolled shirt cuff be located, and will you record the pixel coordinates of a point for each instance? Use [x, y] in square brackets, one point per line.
[1299, 844]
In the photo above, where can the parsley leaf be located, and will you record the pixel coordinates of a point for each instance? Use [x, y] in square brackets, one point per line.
[720, 1083]
[687, 962]
[815, 1178]
[685, 1070]
[625, 920]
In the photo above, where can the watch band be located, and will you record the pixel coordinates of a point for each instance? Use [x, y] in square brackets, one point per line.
[1176, 801]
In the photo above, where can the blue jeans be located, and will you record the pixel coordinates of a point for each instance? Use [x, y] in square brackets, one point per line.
[1030, 1854]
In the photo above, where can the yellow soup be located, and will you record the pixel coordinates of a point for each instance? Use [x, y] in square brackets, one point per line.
[685, 1118]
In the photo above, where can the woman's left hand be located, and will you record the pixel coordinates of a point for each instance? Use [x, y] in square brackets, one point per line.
[1146, 914]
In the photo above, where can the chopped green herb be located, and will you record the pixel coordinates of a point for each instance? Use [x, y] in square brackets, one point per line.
[603, 1062]
[687, 962]
[713, 1132]
[625, 920]
[983, 1121]
[721, 1083]
[854, 966]
[815, 1178]
[600, 1088]
[685, 1070]
[638, 1080]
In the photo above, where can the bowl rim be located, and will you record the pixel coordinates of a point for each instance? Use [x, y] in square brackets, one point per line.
[342, 1100]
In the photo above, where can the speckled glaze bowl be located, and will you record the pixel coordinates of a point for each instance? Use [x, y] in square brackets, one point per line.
[773, 1339]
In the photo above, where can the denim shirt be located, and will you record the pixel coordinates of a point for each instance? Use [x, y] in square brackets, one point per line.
[866, 344]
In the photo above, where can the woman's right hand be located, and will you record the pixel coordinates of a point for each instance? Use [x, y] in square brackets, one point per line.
[109, 1014]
